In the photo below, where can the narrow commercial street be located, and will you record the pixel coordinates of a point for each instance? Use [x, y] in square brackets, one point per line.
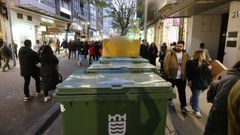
[17, 116]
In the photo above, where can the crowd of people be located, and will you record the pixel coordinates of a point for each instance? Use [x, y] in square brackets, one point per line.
[79, 49]
[177, 67]
[40, 62]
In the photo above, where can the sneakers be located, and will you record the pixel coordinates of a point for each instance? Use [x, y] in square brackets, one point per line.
[26, 99]
[197, 114]
[185, 109]
[37, 94]
[47, 98]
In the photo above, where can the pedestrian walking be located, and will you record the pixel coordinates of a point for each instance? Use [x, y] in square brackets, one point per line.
[57, 46]
[71, 49]
[91, 54]
[202, 47]
[6, 55]
[15, 46]
[144, 49]
[162, 54]
[49, 71]
[217, 123]
[80, 53]
[175, 71]
[85, 49]
[28, 68]
[64, 45]
[96, 50]
[198, 75]
[152, 53]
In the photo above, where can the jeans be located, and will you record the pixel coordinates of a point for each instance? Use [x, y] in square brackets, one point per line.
[181, 86]
[6, 64]
[194, 99]
[27, 82]
[81, 58]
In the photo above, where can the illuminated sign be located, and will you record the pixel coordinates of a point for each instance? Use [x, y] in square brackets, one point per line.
[47, 20]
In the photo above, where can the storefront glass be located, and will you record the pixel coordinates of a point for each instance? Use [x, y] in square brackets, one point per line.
[23, 31]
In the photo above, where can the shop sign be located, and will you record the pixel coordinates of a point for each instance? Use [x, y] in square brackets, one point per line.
[58, 25]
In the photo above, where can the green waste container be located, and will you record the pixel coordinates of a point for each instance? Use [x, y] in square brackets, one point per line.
[114, 103]
[109, 60]
[121, 68]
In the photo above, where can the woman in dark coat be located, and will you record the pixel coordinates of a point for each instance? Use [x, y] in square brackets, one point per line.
[49, 71]
[152, 53]
[198, 74]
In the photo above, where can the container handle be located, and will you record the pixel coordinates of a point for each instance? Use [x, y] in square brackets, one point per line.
[116, 87]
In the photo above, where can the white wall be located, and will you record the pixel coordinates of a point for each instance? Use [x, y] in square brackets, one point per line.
[233, 53]
[206, 28]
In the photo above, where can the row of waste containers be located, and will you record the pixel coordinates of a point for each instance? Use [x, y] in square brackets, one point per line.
[115, 96]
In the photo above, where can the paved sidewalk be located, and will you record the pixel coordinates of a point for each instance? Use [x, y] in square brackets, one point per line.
[18, 117]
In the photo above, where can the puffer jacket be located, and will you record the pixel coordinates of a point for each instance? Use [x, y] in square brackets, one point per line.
[170, 65]
[28, 60]
[217, 118]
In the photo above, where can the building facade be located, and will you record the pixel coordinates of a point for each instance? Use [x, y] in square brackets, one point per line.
[216, 23]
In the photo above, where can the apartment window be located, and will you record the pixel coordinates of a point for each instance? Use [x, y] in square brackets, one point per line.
[29, 18]
[19, 16]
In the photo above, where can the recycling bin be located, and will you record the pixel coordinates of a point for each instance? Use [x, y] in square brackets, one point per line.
[114, 103]
[109, 60]
[122, 67]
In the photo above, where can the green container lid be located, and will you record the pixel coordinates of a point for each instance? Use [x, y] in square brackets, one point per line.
[104, 60]
[112, 83]
[121, 68]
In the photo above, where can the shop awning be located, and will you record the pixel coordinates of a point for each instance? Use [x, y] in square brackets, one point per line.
[187, 8]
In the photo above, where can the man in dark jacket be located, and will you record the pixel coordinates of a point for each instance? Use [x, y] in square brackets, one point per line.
[6, 54]
[144, 49]
[217, 123]
[28, 68]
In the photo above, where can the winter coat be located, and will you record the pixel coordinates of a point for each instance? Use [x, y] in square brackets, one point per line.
[6, 52]
[28, 60]
[64, 44]
[198, 75]
[152, 54]
[170, 65]
[144, 51]
[217, 118]
[49, 73]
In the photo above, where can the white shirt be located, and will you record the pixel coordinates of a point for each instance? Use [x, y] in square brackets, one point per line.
[179, 59]
[37, 47]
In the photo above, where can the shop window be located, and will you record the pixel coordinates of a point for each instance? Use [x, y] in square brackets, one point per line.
[29, 18]
[19, 16]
